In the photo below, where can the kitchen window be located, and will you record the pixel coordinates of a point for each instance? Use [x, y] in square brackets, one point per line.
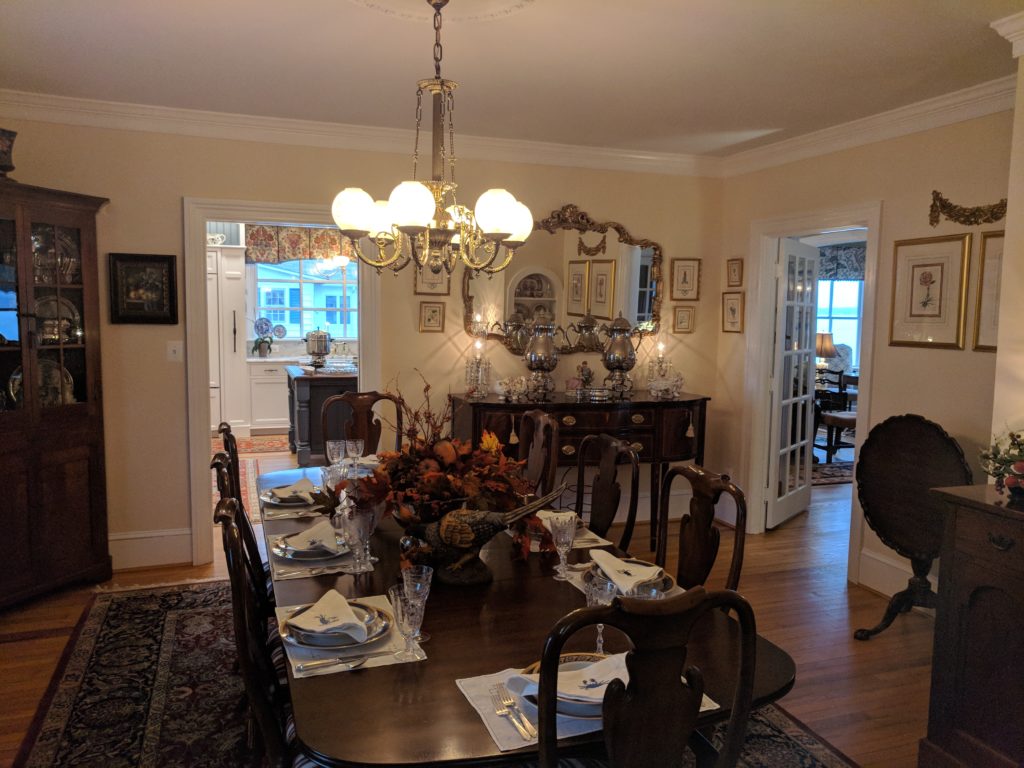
[301, 298]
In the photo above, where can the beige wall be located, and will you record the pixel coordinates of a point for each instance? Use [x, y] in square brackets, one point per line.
[146, 175]
[968, 163]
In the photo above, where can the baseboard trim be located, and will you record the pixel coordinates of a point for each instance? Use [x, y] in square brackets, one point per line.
[146, 549]
[886, 575]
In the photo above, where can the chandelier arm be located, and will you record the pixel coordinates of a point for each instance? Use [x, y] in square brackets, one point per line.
[490, 250]
[384, 260]
[509, 253]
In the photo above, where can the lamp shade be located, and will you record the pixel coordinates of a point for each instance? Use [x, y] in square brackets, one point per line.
[823, 346]
[522, 223]
[495, 212]
[351, 210]
[380, 220]
[411, 205]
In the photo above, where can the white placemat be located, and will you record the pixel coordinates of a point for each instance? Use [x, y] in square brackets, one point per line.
[392, 643]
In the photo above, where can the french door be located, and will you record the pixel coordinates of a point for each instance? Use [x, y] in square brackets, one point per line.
[792, 384]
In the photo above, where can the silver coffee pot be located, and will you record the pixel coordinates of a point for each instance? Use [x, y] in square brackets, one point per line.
[588, 338]
[318, 347]
[619, 356]
[541, 357]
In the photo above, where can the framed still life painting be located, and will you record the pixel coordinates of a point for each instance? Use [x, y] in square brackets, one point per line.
[986, 311]
[143, 289]
[929, 292]
[431, 317]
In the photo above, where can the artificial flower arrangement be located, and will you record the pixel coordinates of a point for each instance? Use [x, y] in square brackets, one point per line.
[1004, 460]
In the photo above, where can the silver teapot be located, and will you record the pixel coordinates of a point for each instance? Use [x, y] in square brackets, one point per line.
[588, 338]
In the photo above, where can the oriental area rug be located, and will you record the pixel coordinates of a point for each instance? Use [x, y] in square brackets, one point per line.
[248, 471]
[836, 473]
[148, 681]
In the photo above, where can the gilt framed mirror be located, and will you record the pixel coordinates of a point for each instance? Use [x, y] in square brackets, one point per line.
[572, 267]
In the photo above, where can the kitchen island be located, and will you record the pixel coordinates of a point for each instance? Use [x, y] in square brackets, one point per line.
[307, 391]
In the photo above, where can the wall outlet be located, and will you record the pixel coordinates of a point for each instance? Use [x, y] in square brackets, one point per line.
[176, 351]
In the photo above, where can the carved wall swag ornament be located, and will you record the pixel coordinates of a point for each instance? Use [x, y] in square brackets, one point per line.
[969, 217]
[582, 249]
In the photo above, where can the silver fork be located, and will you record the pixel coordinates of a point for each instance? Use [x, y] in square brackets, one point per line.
[502, 711]
[510, 701]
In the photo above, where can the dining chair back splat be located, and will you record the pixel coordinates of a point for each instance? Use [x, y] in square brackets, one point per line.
[538, 445]
[605, 490]
[362, 424]
[699, 539]
[661, 686]
[266, 699]
[221, 466]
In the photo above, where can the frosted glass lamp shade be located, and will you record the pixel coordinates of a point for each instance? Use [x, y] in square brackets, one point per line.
[351, 210]
[522, 223]
[411, 205]
[494, 211]
[380, 220]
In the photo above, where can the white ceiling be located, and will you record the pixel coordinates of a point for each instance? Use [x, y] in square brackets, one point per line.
[700, 77]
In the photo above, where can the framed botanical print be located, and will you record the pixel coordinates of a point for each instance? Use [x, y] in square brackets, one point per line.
[685, 280]
[143, 289]
[929, 292]
[426, 283]
[577, 287]
[986, 311]
[732, 312]
[734, 273]
[431, 317]
[682, 319]
[602, 288]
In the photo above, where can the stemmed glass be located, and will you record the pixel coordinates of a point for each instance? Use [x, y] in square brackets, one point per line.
[334, 450]
[353, 450]
[416, 581]
[356, 524]
[563, 531]
[408, 617]
[600, 591]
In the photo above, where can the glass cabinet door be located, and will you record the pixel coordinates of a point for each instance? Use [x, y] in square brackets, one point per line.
[10, 331]
[59, 309]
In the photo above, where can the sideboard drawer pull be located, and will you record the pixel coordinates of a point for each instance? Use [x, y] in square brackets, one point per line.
[638, 447]
[637, 418]
[1000, 542]
[569, 421]
[568, 450]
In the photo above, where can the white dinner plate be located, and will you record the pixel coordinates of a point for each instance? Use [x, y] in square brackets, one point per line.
[377, 621]
[267, 497]
[282, 548]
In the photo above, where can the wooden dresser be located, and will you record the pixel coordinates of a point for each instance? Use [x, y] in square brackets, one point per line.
[661, 431]
[976, 712]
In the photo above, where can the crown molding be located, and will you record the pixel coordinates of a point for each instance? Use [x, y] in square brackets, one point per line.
[977, 101]
[1012, 28]
[275, 130]
[967, 104]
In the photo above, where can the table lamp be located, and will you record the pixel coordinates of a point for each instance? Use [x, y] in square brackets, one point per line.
[823, 349]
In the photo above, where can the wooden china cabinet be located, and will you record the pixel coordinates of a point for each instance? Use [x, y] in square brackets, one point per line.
[53, 509]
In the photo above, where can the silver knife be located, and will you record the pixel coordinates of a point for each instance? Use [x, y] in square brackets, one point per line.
[354, 660]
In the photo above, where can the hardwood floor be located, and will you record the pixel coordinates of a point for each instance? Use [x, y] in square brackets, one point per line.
[868, 699]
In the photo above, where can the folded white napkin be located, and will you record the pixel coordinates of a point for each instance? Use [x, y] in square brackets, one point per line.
[625, 575]
[320, 536]
[301, 490]
[586, 685]
[545, 515]
[331, 613]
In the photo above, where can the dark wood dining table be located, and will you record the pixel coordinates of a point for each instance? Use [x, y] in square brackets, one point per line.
[414, 714]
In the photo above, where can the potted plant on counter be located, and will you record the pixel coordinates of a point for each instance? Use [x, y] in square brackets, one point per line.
[262, 345]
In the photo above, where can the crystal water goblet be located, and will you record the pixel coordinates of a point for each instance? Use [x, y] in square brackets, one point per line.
[416, 580]
[563, 531]
[354, 451]
[600, 591]
[357, 524]
[408, 617]
[334, 451]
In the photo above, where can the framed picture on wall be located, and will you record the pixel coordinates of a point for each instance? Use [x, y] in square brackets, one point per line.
[426, 283]
[143, 289]
[577, 286]
[732, 312]
[986, 310]
[734, 273]
[602, 288]
[682, 319]
[685, 280]
[431, 317]
[929, 292]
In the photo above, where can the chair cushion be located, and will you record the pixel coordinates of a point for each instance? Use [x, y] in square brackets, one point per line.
[845, 419]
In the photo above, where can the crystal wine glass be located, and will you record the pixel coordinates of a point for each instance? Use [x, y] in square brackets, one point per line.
[416, 580]
[335, 451]
[353, 450]
[563, 531]
[357, 524]
[408, 617]
[600, 591]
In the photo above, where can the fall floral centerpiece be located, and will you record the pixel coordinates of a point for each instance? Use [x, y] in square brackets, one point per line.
[1004, 460]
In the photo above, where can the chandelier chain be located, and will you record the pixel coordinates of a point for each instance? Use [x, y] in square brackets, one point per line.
[416, 143]
[438, 49]
[451, 134]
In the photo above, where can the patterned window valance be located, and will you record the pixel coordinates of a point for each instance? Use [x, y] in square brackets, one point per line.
[842, 262]
[267, 244]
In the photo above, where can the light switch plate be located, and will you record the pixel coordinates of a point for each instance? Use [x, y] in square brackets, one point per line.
[176, 351]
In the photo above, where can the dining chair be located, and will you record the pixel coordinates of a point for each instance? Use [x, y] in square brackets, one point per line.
[538, 446]
[362, 422]
[699, 539]
[650, 721]
[605, 490]
[221, 466]
[264, 676]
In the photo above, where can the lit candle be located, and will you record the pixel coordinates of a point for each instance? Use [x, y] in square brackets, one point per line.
[661, 350]
[478, 347]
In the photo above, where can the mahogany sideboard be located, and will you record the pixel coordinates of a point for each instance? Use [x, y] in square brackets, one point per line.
[976, 710]
[661, 431]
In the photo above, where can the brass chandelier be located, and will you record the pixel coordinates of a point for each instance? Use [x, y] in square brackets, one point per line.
[422, 223]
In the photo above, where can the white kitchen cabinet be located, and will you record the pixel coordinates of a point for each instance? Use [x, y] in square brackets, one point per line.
[268, 388]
